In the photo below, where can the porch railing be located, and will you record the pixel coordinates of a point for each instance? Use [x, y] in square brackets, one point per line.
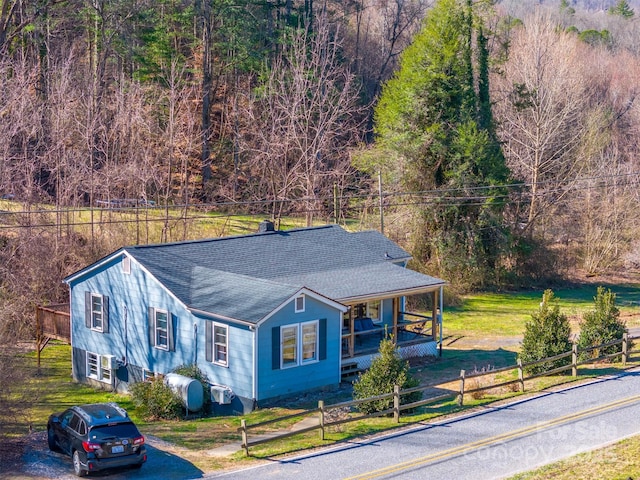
[410, 328]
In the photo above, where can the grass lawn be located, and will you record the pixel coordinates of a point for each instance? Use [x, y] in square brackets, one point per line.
[615, 462]
[505, 314]
[496, 316]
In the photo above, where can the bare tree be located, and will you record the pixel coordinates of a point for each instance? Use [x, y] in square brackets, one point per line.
[379, 31]
[541, 110]
[303, 121]
[605, 206]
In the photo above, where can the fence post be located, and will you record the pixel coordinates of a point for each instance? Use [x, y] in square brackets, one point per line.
[625, 347]
[321, 410]
[396, 403]
[521, 375]
[461, 394]
[574, 359]
[243, 425]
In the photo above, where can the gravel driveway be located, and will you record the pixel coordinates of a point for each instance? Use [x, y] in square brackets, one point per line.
[38, 462]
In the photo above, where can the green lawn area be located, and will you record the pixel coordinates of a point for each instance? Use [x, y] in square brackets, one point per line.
[615, 462]
[505, 314]
[485, 315]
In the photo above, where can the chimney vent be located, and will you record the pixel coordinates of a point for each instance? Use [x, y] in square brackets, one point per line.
[266, 226]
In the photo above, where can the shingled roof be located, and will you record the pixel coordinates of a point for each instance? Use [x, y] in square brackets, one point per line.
[246, 277]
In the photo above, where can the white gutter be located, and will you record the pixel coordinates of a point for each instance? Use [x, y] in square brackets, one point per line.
[398, 293]
[219, 317]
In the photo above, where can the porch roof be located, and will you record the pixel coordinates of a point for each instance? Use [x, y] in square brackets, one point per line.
[379, 280]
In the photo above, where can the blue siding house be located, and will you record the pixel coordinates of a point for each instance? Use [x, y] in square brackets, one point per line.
[264, 316]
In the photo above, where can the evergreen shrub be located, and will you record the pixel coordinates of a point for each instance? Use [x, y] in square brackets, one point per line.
[386, 370]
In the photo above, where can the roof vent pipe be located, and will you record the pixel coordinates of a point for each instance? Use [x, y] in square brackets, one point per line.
[266, 226]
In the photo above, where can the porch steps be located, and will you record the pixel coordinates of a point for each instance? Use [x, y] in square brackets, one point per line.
[349, 371]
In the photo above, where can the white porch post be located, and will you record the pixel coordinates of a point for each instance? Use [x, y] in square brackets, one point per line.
[440, 320]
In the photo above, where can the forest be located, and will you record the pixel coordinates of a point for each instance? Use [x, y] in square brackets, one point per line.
[497, 139]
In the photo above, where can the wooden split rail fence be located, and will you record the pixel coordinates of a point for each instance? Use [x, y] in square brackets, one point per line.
[323, 411]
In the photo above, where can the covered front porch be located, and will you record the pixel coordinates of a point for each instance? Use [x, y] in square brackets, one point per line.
[366, 323]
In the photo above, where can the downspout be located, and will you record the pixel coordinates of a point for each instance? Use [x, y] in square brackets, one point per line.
[195, 343]
[125, 360]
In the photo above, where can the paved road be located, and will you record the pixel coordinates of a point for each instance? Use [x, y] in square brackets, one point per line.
[495, 442]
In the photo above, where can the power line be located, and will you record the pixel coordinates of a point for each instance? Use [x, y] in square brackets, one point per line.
[442, 197]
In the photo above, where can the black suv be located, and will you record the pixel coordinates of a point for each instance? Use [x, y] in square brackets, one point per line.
[96, 436]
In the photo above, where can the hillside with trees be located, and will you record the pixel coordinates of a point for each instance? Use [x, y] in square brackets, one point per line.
[499, 139]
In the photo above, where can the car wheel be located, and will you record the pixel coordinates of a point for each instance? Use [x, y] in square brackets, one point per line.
[77, 466]
[51, 440]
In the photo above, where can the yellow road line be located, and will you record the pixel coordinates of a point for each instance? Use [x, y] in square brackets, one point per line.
[495, 439]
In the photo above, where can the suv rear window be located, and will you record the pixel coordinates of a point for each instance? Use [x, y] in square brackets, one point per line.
[120, 430]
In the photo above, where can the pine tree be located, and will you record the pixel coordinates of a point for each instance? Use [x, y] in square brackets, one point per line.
[434, 129]
[601, 325]
[565, 7]
[546, 335]
[622, 9]
[386, 370]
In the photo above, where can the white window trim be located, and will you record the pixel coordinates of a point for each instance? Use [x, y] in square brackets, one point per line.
[304, 303]
[155, 329]
[214, 353]
[300, 345]
[93, 327]
[100, 375]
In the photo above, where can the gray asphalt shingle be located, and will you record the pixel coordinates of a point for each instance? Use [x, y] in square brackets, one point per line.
[246, 277]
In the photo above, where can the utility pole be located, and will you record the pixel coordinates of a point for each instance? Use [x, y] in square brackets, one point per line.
[381, 202]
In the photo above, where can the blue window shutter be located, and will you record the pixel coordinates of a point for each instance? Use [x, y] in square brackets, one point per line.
[275, 348]
[173, 321]
[105, 314]
[87, 309]
[208, 341]
[152, 327]
[322, 354]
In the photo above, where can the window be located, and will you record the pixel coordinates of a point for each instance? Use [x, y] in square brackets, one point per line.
[126, 264]
[93, 362]
[161, 329]
[299, 344]
[217, 343]
[373, 311]
[73, 424]
[97, 313]
[300, 304]
[99, 367]
[105, 368]
[289, 346]
[66, 418]
[309, 342]
[82, 428]
[220, 344]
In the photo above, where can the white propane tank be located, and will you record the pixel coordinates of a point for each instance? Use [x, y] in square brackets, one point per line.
[189, 390]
